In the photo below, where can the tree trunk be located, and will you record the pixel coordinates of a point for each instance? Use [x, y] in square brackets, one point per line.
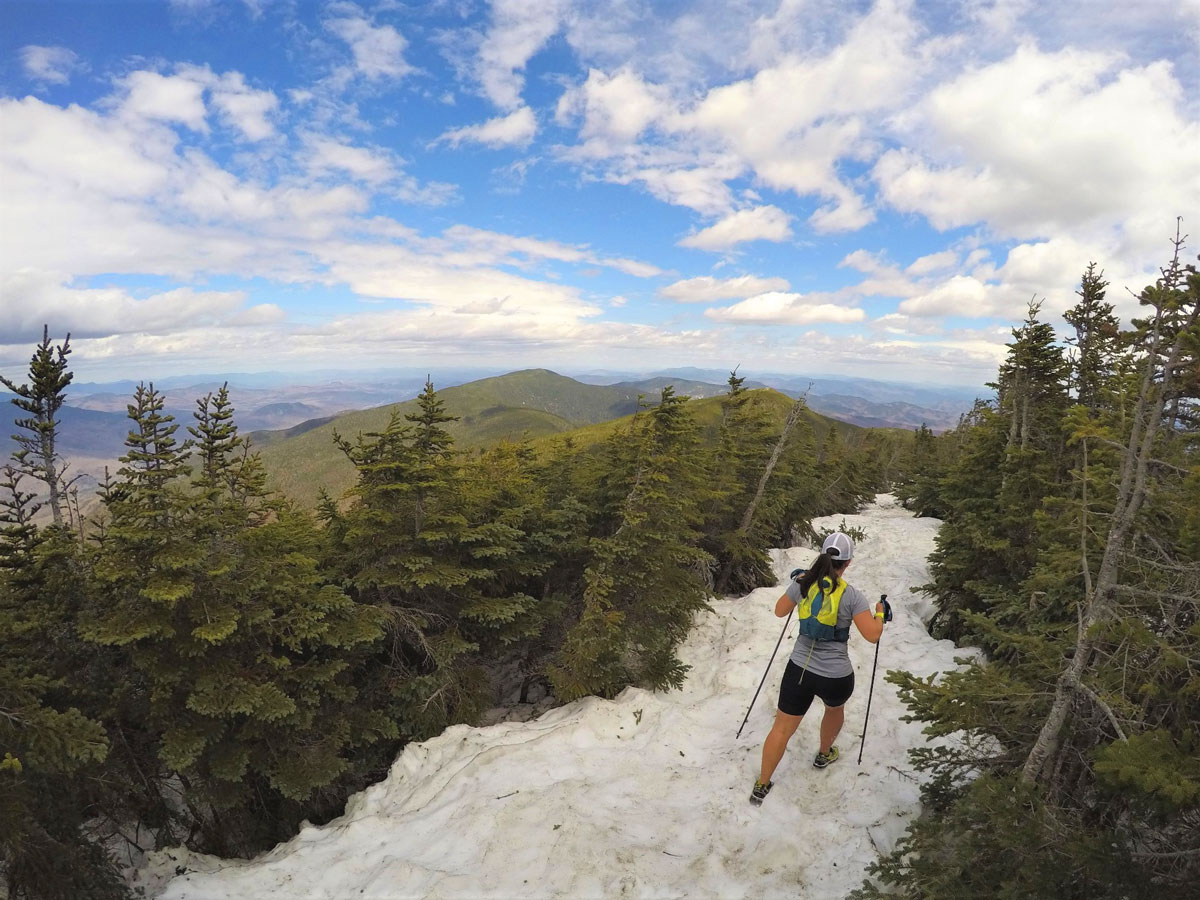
[50, 468]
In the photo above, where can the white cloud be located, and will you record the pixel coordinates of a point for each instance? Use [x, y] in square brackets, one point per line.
[707, 289]
[702, 187]
[932, 262]
[779, 307]
[248, 110]
[329, 155]
[789, 125]
[166, 98]
[634, 267]
[518, 30]
[180, 98]
[476, 246]
[997, 16]
[1058, 164]
[865, 261]
[962, 295]
[613, 108]
[49, 65]
[517, 128]
[760, 223]
[902, 325]
[90, 312]
[378, 49]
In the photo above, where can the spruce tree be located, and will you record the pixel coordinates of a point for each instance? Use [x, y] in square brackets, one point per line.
[1096, 338]
[1092, 789]
[42, 398]
[244, 657]
[741, 520]
[448, 570]
[645, 581]
[51, 750]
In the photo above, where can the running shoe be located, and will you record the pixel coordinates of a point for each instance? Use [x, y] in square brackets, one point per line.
[821, 760]
[759, 794]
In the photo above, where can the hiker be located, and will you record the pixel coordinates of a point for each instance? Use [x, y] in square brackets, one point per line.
[820, 662]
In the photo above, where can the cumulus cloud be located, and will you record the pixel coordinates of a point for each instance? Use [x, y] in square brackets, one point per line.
[760, 223]
[330, 155]
[782, 308]
[707, 289]
[1058, 164]
[166, 98]
[90, 193]
[248, 110]
[518, 30]
[612, 108]
[180, 98]
[932, 262]
[703, 187]
[515, 129]
[378, 49]
[91, 312]
[789, 125]
[962, 295]
[49, 65]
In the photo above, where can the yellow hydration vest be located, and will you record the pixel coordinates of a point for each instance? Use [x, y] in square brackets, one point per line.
[818, 611]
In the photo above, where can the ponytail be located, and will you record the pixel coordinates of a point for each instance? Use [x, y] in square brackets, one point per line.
[823, 566]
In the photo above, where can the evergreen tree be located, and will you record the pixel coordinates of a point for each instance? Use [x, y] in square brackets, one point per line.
[244, 658]
[1092, 790]
[50, 750]
[919, 486]
[1096, 338]
[646, 580]
[451, 574]
[740, 521]
[42, 398]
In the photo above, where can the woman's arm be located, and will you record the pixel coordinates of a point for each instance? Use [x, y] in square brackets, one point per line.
[784, 606]
[869, 625]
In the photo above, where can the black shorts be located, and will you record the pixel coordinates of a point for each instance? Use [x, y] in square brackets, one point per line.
[800, 686]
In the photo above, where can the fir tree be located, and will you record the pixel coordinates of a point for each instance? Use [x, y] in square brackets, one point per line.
[1096, 338]
[50, 750]
[452, 575]
[42, 398]
[741, 520]
[646, 580]
[1092, 790]
[247, 656]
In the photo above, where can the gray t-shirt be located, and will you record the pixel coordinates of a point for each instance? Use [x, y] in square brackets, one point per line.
[828, 658]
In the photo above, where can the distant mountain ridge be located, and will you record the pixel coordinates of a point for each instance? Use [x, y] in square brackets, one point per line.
[529, 403]
[861, 401]
[533, 404]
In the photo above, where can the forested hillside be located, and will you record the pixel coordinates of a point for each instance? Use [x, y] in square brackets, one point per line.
[1071, 552]
[528, 405]
[204, 663]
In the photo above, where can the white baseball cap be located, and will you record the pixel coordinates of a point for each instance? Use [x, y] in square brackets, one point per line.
[839, 547]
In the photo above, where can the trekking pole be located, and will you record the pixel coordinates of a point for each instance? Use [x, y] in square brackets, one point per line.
[786, 623]
[867, 718]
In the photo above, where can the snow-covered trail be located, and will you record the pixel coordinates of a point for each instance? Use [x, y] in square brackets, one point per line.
[645, 795]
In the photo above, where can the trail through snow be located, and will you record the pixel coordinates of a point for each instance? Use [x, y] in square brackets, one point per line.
[642, 796]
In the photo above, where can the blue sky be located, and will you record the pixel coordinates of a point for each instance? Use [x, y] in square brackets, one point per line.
[861, 188]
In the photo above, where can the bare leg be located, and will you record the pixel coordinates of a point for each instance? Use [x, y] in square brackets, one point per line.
[781, 732]
[831, 724]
